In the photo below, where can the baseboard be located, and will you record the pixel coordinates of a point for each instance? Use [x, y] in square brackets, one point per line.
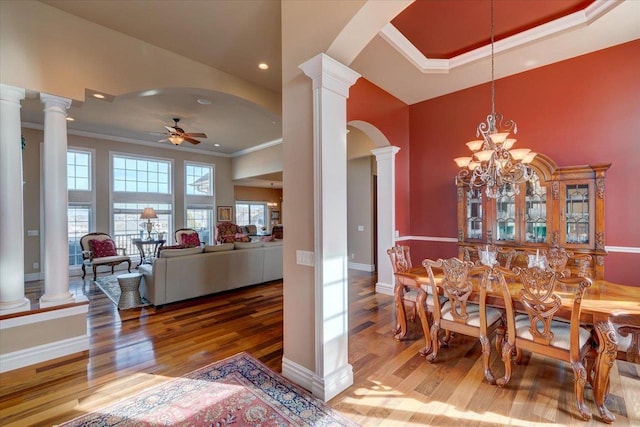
[42, 353]
[297, 374]
[384, 288]
[323, 388]
[362, 267]
[33, 277]
[330, 386]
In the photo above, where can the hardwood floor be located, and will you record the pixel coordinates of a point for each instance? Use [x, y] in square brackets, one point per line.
[393, 385]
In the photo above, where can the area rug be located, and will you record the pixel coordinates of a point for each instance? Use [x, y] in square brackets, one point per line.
[109, 285]
[237, 391]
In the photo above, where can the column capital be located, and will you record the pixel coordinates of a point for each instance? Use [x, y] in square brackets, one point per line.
[327, 73]
[385, 153]
[11, 93]
[55, 101]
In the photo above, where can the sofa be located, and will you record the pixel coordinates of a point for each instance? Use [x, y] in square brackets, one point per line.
[181, 274]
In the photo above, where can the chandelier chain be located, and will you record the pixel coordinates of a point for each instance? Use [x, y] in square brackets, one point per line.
[493, 81]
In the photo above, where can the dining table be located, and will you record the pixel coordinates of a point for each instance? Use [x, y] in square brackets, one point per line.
[606, 307]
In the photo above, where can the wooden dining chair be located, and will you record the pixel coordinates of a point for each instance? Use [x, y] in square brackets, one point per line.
[400, 258]
[408, 292]
[541, 329]
[457, 314]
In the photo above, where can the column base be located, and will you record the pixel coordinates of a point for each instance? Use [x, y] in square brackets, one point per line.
[55, 300]
[15, 306]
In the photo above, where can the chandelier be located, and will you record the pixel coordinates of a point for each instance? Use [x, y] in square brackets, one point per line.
[494, 162]
[272, 204]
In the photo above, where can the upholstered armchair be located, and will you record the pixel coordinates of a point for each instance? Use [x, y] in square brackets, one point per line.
[227, 231]
[277, 232]
[99, 249]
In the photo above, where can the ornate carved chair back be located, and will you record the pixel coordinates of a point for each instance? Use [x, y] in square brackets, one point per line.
[400, 259]
[539, 300]
[557, 259]
[456, 286]
[582, 262]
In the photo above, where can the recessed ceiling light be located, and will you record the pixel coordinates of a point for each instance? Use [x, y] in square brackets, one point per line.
[204, 101]
[70, 119]
[216, 145]
[98, 95]
[151, 92]
[263, 66]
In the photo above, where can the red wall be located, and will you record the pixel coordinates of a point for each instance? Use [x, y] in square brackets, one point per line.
[585, 110]
[369, 103]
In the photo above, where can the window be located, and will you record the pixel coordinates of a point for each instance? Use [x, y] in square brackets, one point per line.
[127, 224]
[199, 199]
[201, 220]
[137, 183]
[79, 223]
[199, 180]
[81, 200]
[251, 213]
[78, 170]
[140, 175]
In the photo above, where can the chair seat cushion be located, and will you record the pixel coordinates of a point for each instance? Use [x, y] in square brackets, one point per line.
[412, 295]
[561, 331]
[110, 259]
[473, 310]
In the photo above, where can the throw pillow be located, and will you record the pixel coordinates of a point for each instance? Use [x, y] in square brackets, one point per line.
[191, 240]
[267, 238]
[103, 248]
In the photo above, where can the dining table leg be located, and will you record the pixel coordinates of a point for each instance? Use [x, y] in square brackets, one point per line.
[607, 352]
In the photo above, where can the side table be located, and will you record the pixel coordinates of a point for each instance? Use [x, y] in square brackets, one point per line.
[129, 290]
[152, 249]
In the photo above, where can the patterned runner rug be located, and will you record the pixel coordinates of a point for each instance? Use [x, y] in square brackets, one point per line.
[238, 391]
[109, 285]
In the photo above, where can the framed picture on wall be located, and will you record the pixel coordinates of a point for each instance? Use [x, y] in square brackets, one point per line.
[225, 213]
[275, 215]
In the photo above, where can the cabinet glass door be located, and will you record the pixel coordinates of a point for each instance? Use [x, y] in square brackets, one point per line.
[577, 218]
[474, 213]
[535, 215]
[506, 214]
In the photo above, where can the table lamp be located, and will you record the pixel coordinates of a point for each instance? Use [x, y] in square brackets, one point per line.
[148, 214]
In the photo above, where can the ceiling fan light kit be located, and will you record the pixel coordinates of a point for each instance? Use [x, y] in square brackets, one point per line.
[177, 135]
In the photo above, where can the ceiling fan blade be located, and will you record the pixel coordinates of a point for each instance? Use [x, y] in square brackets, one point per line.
[191, 140]
[164, 140]
[157, 133]
[195, 135]
[170, 129]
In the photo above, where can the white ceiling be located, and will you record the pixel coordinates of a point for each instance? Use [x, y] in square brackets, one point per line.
[234, 36]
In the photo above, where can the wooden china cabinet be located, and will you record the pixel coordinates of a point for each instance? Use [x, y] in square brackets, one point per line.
[559, 207]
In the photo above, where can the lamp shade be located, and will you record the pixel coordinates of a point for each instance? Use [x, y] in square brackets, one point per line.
[462, 162]
[176, 139]
[148, 213]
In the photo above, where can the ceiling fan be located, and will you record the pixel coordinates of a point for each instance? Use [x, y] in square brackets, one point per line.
[176, 135]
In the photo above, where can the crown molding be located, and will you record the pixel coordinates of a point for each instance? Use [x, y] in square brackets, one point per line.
[398, 41]
[256, 148]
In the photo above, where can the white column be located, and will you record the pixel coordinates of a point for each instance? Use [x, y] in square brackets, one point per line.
[56, 246]
[11, 203]
[386, 158]
[331, 82]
